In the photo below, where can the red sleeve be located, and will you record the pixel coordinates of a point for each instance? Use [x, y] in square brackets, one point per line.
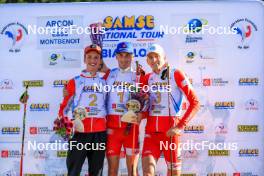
[106, 74]
[67, 100]
[144, 81]
[194, 105]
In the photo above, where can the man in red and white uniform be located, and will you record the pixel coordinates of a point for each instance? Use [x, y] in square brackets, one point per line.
[119, 134]
[164, 120]
[89, 131]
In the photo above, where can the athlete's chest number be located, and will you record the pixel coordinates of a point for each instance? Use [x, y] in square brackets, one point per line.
[121, 96]
[93, 98]
[158, 97]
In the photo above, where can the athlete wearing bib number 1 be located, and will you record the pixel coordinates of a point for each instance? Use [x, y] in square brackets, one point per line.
[121, 134]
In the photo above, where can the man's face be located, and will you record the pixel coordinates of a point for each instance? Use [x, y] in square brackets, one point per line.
[124, 60]
[92, 61]
[155, 61]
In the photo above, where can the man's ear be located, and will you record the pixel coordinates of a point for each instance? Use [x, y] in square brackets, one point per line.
[147, 61]
[116, 57]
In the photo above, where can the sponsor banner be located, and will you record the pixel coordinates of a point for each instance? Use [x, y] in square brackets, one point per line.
[245, 29]
[224, 105]
[62, 38]
[193, 29]
[140, 29]
[62, 59]
[40, 107]
[33, 83]
[9, 107]
[218, 152]
[60, 83]
[6, 84]
[14, 34]
[248, 81]
[40, 130]
[247, 128]
[11, 130]
[223, 69]
[198, 56]
[194, 129]
[248, 152]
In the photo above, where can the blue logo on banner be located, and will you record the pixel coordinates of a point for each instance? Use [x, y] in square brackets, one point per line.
[16, 33]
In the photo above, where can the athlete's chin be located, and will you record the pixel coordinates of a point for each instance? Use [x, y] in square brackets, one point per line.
[155, 67]
[92, 69]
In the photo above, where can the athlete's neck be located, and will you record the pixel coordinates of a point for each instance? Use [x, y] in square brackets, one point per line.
[158, 70]
[90, 73]
[125, 70]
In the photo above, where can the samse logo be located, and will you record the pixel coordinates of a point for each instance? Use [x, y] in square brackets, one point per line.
[129, 23]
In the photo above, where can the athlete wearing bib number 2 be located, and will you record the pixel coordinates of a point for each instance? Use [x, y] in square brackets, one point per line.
[164, 119]
[89, 129]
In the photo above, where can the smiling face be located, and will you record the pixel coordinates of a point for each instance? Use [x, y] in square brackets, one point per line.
[155, 61]
[92, 60]
[124, 60]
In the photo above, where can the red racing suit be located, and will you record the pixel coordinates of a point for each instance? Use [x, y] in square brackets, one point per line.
[158, 119]
[83, 92]
[120, 81]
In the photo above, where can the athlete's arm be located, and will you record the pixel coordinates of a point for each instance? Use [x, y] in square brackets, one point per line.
[106, 74]
[144, 82]
[67, 99]
[185, 86]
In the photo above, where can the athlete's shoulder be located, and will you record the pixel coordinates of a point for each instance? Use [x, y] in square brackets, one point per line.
[178, 73]
[70, 86]
[181, 78]
[114, 70]
[76, 77]
[110, 74]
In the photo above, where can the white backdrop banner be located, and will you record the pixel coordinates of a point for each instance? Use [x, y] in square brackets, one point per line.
[225, 67]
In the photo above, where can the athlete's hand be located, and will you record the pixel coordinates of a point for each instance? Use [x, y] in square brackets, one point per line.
[140, 70]
[137, 118]
[173, 132]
